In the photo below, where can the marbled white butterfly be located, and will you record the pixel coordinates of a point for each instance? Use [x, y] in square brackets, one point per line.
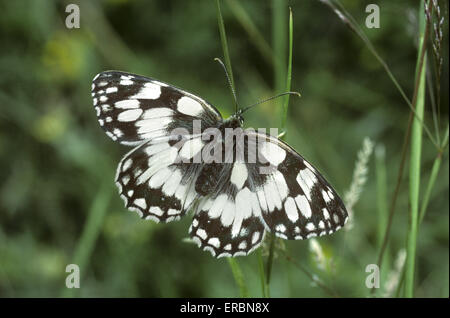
[234, 204]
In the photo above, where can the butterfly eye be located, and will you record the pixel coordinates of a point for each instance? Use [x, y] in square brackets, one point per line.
[241, 120]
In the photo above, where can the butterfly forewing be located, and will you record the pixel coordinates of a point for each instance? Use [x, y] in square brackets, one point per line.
[132, 108]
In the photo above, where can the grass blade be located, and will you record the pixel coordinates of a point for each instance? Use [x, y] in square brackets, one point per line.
[226, 55]
[90, 233]
[414, 169]
[264, 286]
[289, 74]
[238, 277]
[254, 34]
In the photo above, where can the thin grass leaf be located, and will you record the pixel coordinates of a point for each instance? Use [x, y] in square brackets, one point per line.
[347, 18]
[382, 203]
[279, 51]
[415, 169]
[430, 185]
[279, 43]
[253, 33]
[289, 74]
[238, 277]
[264, 286]
[90, 232]
[226, 54]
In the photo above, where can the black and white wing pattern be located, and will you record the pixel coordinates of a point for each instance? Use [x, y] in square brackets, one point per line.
[153, 179]
[281, 193]
[235, 201]
[132, 108]
[295, 199]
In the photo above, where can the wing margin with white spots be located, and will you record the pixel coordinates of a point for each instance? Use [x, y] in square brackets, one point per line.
[295, 199]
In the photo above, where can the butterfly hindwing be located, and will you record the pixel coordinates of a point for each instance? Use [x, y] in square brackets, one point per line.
[154, 181]
[295, 199]
[235, 236]
[280, 192]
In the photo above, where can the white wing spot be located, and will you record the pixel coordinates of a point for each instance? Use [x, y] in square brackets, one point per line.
[173, 212]
[191, 148]
[117, 132]
[243, 203]
[325, 196]
[242, 245]
[255, 237]
[128, 103]
[202, 234]
[141, 203]
[189, 106]
[129, 115]
[291, 209]
[306, 180]
[280, 228]
[326, 215]
[336, 218]
[272, 152]
[239, 174]
[156, 210]
[126, 82]
[125, 180]
[228, 214]
[214, 241]
[310, 226]
[111, 90]
[157, 112]
[148, 91]
[303, 206]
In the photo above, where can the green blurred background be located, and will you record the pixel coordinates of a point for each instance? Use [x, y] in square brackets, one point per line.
[58, 201]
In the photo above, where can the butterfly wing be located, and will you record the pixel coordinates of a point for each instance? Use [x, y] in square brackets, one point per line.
[296, 200]
[280, 192]
[155, 182]
[156, 179]
[133, 108]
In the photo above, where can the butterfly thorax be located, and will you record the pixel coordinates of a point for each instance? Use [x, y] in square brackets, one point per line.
[234, 121]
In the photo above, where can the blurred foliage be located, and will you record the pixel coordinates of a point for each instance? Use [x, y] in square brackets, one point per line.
[58, 165]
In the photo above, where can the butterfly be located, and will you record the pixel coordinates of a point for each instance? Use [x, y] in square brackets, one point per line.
[234, 201]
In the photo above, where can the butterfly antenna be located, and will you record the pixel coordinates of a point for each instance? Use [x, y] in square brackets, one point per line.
[229, 82]
[268, 99]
